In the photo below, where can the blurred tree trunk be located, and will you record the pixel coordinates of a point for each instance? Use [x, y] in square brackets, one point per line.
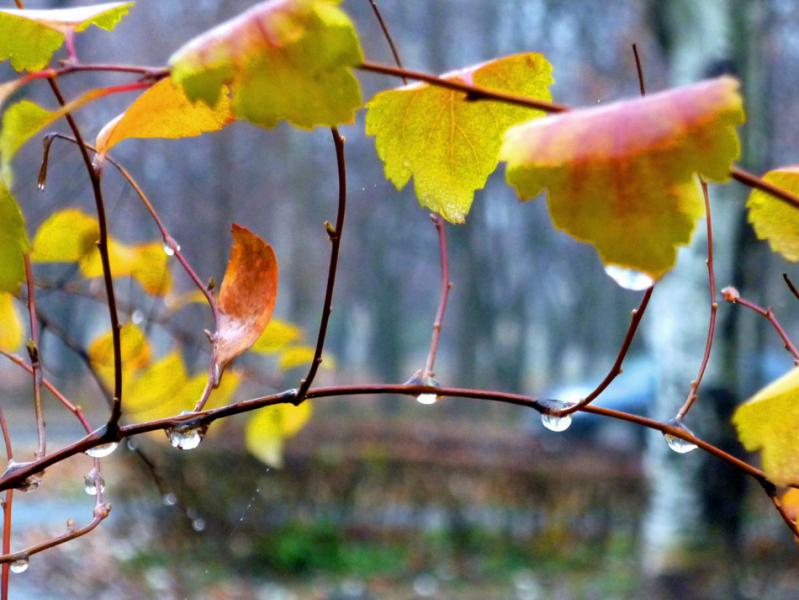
[696, 38]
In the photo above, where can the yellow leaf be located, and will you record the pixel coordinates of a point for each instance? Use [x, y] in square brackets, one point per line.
[186, 396]
[297, 356]
[65, 236]
[277, 335]
[247, 295]
[283, 60]
[448, 144]
[623, 176]
[12, 332]
[773, 219]
[135, 353]
[163, 111]
[769, 422]
[160, 383]
[269, 426]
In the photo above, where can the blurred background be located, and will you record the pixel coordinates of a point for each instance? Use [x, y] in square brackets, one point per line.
[384, 497]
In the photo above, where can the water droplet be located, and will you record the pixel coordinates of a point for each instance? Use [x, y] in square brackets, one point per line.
[169, 249]
[169, 499]
[185, 439]
[93, 483]
[137, 317]
[556, 423]
[40, 185]
[679, 445]
[426, 398]
[30, 484]
[629, 279]
[20, 565]
[131, 445]
[102, 450]
[198, 524]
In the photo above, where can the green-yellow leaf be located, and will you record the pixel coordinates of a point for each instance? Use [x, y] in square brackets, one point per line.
[12, 331]
[447, 144]
[163, 111]
[13, 242]
[277, 336]
[158, 385]
[135, 350]
[269, 426]
[773, 219]
[769, 422]
[29, 37]
[623, 176]
[283, 60]
[25, 119]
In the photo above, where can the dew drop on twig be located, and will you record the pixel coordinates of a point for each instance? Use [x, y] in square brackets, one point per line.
[679, 445]
[20, 565]
[185, 439]
[102, 450]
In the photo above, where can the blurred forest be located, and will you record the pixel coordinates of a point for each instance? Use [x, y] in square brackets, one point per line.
[383, 497]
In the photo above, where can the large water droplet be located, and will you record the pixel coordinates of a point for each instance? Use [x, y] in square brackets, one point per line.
[629, 279]
[20, 565]
[185, 439]
[169, 499]
[93, 483]
[102, 450]
[679, 445]
[556, 423]
[426, 398]
[169, 249]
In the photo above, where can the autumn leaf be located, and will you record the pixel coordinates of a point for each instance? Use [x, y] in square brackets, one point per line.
[448, 144]
[163, 111]
[135, 353]
[146, 263]
[247, 295]
[623, 176]
[157, 385]
[13, 242]
[283, 60]
[269, 426]
[768, 422]
[773, 219]
[12, 331]
[277, 336]
[29, 37]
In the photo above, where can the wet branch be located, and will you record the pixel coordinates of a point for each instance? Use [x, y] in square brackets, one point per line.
[35, 360]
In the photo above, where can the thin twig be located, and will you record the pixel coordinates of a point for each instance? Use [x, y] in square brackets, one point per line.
[790, 285]
[35, 360]
[758, 183]
[387, 34]
[714, 307]
[639, 70]
[616, 370]
[731, 295]
[334, 233]
[102, 245]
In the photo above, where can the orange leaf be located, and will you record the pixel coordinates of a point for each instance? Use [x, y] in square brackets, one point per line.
[247, 297]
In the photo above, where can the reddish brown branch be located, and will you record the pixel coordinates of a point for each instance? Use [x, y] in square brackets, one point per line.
[790, 285]
[714, 307]
[334, 233]
[443, 296]
[7, 506]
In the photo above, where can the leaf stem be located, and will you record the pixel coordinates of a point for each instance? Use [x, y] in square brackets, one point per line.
[714, 307]
[334, 233]
[446, 285]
